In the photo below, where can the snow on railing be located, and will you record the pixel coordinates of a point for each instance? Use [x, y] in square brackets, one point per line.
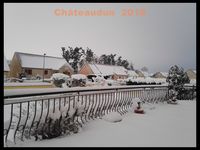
[32, 114]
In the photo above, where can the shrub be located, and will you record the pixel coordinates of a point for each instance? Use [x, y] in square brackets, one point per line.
[59, 78]
[58, 124]
[141, 81]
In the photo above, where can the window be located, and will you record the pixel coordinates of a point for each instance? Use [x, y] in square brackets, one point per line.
[46, 72]
[28, 71]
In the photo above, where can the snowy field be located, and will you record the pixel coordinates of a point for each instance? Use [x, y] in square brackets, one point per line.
[163, 125]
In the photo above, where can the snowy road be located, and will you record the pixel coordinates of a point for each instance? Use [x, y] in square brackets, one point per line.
[165, 126]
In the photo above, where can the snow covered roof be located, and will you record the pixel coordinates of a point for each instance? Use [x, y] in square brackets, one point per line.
[6, 67]
[160, 75]
[164, 73]
[108, 69]
[191, 73]
[146, 74]
[132, 73]
[36, 61]
[150, 74]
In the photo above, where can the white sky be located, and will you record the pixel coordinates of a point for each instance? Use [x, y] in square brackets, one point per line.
[164, 37]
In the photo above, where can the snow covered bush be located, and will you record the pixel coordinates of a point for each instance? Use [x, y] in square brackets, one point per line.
[176, 79]
[78, 80]
[50, 129]
[141, 81]
[99, 79]
[113, 117]
[79, 76]
[59, 123]
[60, 78]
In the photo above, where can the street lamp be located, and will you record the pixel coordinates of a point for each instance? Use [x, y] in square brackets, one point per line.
[44, 66]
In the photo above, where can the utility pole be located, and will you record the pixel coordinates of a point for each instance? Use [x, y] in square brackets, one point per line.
[44, 66]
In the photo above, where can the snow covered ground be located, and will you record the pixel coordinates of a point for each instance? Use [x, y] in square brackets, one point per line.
[163, 125]
[26, 84]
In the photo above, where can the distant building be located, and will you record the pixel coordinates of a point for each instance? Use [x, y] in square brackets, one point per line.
[142, 73]
[132, 73]
[115, 72]
[160, 75]
[191, 74]
[32, 65]
[6, 68]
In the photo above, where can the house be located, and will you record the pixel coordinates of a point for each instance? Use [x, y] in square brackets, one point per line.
[142, 73]
[132, 73]
[115, 72]
[6, 68]
[32, 65]
[191, 74]
[160, 75]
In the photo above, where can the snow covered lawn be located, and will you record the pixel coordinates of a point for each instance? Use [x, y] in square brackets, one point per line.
[27, 85]
[163, 125]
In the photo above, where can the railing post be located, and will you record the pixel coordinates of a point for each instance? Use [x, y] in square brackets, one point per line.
[18, 123]
[8, 129]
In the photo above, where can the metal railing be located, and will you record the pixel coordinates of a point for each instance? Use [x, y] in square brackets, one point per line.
[24, 114]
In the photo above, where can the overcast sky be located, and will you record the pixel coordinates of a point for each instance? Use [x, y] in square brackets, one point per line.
[165, 36]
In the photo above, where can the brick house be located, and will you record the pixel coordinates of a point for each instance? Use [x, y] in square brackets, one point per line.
[33, 65]
[115, 72]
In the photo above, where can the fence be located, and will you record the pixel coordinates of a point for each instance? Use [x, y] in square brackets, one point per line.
[25, 114]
